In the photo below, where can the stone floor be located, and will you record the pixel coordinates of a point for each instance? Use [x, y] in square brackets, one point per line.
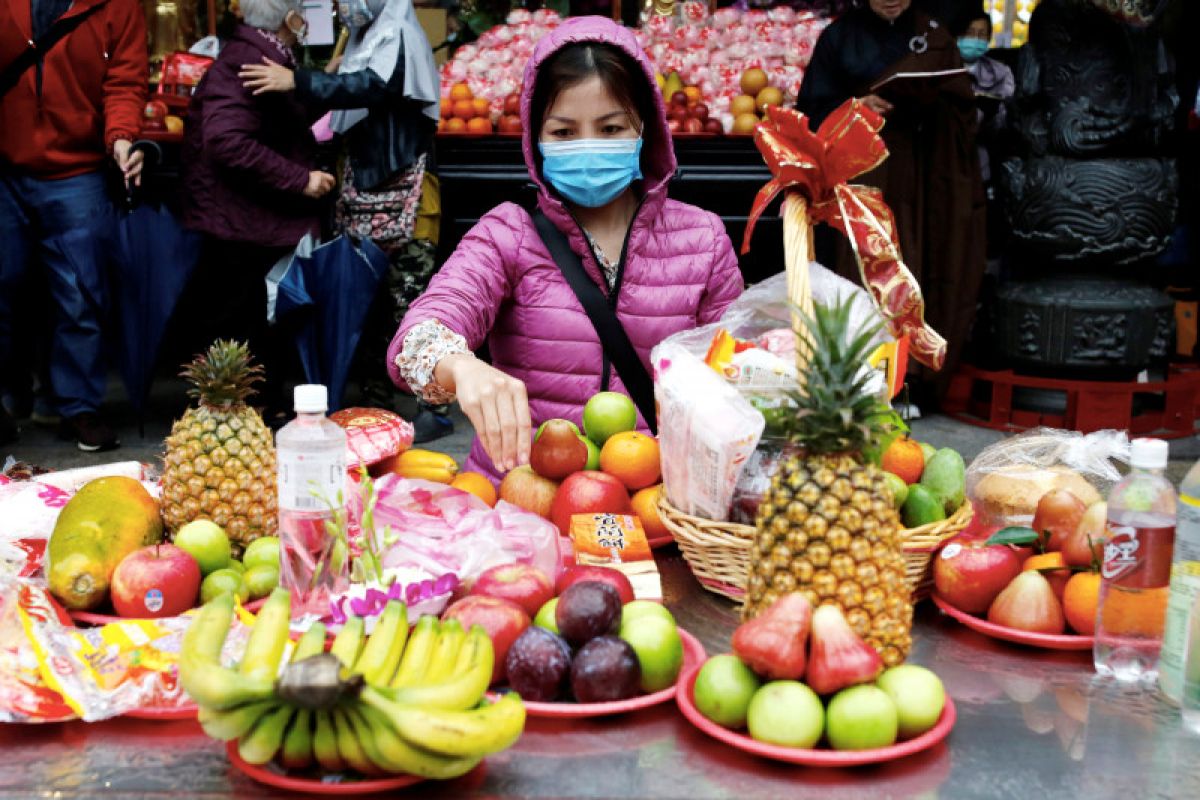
[142, 437]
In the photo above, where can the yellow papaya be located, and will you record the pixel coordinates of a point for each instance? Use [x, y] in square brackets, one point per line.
[105, 521]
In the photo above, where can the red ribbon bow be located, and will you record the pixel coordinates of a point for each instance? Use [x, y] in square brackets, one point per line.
[819, 166]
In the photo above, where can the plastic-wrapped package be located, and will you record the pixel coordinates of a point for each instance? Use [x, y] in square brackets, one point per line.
[707, 431]
[24, 696]
[755, 479]
[1007, 479]
[29, 509]
[373, 434]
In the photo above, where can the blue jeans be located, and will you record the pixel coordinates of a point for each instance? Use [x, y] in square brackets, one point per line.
[64, 227]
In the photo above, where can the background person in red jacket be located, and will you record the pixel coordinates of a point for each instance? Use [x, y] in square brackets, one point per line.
[62, 117]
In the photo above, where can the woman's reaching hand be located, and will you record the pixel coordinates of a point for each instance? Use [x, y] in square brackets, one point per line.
[496, 404]
[877, 104]
[267, 77]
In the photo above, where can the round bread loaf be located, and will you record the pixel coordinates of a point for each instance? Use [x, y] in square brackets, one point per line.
[1011, 494]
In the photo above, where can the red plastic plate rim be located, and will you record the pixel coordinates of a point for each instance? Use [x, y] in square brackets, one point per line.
[270, 777]
[811, 757]
[177, 713]
[693, 657]
[1049, 641]
[96, 618]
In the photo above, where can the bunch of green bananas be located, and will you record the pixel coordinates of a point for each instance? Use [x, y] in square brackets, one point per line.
[382, 704]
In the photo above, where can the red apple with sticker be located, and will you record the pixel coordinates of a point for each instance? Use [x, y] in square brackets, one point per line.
[160, 580]
[503, 620]
[523, 584]
[969, 574]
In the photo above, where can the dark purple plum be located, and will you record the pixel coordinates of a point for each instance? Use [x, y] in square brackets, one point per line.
[605, 669]
[586, 610]
[538, 665]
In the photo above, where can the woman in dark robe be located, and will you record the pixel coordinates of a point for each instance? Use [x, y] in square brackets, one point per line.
[931, 178]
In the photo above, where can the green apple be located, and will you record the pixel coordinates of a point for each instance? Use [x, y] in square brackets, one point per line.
[919, 697]
[659, 650]
[861, 718]
[222, 581]
[786, 713]
[206, 542]
[545, 616]
[593, 462]
[236, 566]
[263, 550]
[608, 413]
[637, 609]
[899, 489]
[261, 580]
[724, 688]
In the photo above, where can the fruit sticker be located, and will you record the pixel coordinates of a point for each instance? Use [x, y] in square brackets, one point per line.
[951, 550]
[154, 600]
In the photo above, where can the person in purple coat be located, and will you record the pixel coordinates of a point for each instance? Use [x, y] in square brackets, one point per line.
[597, 145]
[251, 186]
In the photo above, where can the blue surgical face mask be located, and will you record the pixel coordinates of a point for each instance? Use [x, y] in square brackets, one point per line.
[592, 172]
[972, 49]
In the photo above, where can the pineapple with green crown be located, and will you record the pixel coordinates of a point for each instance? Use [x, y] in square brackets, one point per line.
[827, 527]
[220, 458]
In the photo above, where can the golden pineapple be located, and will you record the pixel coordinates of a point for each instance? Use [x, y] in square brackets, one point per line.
[220, 459]
[827, 527]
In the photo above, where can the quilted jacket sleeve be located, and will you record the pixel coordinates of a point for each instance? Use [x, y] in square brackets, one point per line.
[725, 278]
[469, 289]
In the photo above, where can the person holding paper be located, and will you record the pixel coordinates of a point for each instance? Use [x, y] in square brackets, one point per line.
[906, 66]
[992, 81]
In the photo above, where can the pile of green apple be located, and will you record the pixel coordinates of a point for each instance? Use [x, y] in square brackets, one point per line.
[251, 578]
[759, 688]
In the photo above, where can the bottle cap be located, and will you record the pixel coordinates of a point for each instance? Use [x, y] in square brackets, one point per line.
[1148, 454]
[311, 398]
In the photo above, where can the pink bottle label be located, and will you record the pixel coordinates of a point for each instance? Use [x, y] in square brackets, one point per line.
[1138, 558]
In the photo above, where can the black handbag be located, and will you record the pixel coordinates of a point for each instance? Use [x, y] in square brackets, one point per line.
[602, 312]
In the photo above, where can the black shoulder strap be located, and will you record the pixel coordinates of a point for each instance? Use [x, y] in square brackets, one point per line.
[612, 334]
[28, 57]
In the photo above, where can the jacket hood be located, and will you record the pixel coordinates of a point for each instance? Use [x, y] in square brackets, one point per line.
[658, 155]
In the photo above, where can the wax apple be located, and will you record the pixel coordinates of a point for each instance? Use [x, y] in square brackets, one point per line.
[523, 584]
[969, 574]
[503, 620]
[161, 580]
[1028, 604]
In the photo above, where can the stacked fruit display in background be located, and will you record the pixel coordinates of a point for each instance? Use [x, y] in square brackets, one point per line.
[789, 657]
[463, 112]
[220, 456]
[593, 642]
[827, 527]
[687, 111]
[1040, 579]
[594, 471]
[750, 107]
[927, 484]
[381, 704]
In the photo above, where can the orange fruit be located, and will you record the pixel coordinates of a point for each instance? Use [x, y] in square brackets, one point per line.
[1080, 599]
[632, 458]
[645, 505]
[769, 96]
[693, 95]
[904, 458]
[460, 91]
[479, 125]
[174, 124]
[464, 109]
[482, 109]
[753, 81]
[744, 124]
[743, 104]
[476, 484]
[1134, 612]
[456, 125]
[447, 108]
[1058, 575]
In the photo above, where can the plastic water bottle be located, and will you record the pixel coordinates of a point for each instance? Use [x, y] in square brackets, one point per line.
[1185, 590]
[1136, 573]
[1191, 670]
[311, 456]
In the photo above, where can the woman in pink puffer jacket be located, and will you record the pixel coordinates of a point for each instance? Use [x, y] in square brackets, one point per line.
[670, 265]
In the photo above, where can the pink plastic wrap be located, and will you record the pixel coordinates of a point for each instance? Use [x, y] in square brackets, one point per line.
[373, 434]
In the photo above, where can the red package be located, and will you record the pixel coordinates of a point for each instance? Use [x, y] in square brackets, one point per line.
[181, 73]
[372, 434]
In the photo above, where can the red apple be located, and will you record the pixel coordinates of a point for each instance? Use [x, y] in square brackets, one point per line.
[969, 574]
[1028, 604]
[526, 489]
[674, 125]
[677, 112]
[593, 572]
[693, 125]
[700, 112]
[713, 125]
[161, 580]
[512, 105]
[523, 584]
[588, 493]
[510, 123]
[503, 620]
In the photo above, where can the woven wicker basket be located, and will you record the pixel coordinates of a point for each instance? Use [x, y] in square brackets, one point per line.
[719, 552]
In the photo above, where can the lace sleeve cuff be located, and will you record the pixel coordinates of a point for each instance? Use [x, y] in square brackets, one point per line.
[424, 346]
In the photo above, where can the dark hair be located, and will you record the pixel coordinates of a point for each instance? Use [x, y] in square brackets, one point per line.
[620, 73]
[966, 23]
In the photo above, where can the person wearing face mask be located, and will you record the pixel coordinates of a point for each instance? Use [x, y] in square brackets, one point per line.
[993, 83]
[386, 95]
[251, 186]
[598, 148]
[931, 178]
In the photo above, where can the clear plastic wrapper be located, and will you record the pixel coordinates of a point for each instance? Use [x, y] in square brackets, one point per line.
[755, 479]
[372, 434]
[1007, 479]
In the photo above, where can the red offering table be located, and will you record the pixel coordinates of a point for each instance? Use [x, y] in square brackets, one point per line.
[1031, 723]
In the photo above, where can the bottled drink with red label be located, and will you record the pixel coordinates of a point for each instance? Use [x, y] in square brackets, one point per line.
[1136, 569]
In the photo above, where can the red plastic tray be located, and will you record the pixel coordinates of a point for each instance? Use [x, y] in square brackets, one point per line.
[165, 714]
[272, 775]
[693, 657]
[1049, 641]
[810, 757]
[98, 618]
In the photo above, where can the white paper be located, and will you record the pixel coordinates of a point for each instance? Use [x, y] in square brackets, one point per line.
[319, 16]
